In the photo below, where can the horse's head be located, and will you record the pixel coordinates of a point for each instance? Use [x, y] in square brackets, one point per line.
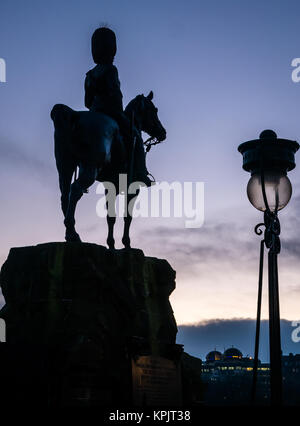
[146, 116]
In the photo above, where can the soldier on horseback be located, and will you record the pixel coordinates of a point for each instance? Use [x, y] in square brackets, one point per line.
[92, 141]
[103, 94]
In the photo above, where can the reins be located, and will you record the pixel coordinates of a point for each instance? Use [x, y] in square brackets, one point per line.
[150, 142]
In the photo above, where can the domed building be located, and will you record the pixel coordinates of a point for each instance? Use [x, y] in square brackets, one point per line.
[213, 356]
[231, 361]
[232, 354]
[228, 377]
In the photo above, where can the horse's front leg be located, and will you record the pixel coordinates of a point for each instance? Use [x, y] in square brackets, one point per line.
[87, 176]
[111, 218]
[128, 219]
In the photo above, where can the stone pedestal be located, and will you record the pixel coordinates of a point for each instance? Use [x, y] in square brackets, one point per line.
[79, 310]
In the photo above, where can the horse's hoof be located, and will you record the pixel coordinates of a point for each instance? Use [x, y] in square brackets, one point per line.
[111, 244]
[126, 243]
[72, 237]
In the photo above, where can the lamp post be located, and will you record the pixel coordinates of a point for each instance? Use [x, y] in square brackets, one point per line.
[269, 190]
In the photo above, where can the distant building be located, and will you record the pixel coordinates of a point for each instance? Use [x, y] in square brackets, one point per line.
[291, 379]
[227, 378]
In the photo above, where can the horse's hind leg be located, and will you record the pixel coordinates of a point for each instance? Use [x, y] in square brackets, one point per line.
[111, 219]
[87, 176]
[65, 179]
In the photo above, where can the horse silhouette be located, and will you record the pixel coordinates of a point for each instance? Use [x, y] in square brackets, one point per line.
[91, 141]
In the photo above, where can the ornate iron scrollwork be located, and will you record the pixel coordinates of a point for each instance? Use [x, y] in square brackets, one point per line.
[272, 231]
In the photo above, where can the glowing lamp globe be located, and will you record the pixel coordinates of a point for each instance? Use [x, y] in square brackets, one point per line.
[268, 159]
[278, 190]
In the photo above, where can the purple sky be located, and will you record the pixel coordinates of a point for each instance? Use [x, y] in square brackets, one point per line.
[220, 72]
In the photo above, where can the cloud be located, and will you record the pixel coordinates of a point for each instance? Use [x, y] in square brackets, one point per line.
[225, 243]
[16, 156]
[219, 334]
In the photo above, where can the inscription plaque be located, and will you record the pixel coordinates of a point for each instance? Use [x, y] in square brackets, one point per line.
[156, 381]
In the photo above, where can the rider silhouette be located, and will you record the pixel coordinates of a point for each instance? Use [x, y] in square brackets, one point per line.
[103, 94]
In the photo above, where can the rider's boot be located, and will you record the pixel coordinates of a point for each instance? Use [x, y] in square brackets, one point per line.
[142, 173]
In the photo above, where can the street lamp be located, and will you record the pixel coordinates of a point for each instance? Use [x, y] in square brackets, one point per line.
[269, 190]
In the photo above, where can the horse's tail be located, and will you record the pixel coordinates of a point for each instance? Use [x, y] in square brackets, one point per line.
[64, 119]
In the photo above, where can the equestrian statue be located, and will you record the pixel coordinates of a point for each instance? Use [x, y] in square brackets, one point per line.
[105, 141]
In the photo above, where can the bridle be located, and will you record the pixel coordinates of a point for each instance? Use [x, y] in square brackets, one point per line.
[150, 142]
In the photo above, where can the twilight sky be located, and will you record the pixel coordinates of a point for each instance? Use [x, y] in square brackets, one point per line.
[221, 73]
